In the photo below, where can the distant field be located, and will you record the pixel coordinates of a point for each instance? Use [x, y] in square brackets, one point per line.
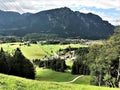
[17, 83]
[37, 51]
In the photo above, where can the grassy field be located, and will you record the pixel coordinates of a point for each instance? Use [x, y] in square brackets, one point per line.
[49, 75]
[36, 51]
[17, 83]
[85, 80]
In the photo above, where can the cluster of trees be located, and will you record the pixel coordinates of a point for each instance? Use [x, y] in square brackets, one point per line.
[16, 65]
[9, 39]
[54, 64]
[103, 61]
[39, 36]
[63, 41]
[80, 65]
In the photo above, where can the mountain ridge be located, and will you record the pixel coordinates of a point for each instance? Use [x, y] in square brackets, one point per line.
[60, 21]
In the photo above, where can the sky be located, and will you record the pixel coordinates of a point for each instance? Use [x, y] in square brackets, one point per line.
[107, 9]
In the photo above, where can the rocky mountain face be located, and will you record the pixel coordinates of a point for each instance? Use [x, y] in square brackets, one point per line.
[63, 22]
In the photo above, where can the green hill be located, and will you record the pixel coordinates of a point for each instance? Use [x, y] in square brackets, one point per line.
[50, 75]
[17, 83]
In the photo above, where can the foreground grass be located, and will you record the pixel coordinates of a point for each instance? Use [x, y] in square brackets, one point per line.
[85, 80]
[17, 83]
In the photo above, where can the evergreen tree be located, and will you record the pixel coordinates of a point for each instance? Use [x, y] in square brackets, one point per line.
[3, 62]
[22, 66]
[80, 65]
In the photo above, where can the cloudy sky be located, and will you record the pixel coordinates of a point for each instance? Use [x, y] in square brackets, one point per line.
[107, 9]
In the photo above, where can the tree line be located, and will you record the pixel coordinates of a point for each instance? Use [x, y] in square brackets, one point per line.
[55, 64]
[16, 65]
[80, 65]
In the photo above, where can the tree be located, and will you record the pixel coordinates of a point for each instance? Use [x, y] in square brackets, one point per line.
[55, 64]
[22, 66]
[80, 65]
[104, 61]
[114, 54]
[96, 64]
[3, 62]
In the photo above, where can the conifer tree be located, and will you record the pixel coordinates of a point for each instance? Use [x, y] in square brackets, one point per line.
[22, 66]
[3, 62]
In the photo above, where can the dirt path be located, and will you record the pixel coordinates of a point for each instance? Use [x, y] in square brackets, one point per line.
[75, 79]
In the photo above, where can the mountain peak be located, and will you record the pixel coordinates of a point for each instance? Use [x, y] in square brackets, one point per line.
[59, 9]
[66, 8]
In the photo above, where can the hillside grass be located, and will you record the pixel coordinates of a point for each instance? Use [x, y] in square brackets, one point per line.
[50, 75]
[36, 51]
[17, 83]
[85, 80]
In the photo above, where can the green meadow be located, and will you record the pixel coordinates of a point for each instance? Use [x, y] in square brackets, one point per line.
[36, 51]
[17, 83]
[50, 75]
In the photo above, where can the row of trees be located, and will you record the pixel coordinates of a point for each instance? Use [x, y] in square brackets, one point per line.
[103, 62]
[80, 65]
[54, 64]
[16, 65]
[9, 39]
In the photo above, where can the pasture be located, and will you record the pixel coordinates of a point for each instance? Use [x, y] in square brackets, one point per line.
[50, 75]
[36, 51]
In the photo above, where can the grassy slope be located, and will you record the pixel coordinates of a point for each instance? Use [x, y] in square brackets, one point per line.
[49, 75]
[37, 51]
[17, 83]
[85, 80]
